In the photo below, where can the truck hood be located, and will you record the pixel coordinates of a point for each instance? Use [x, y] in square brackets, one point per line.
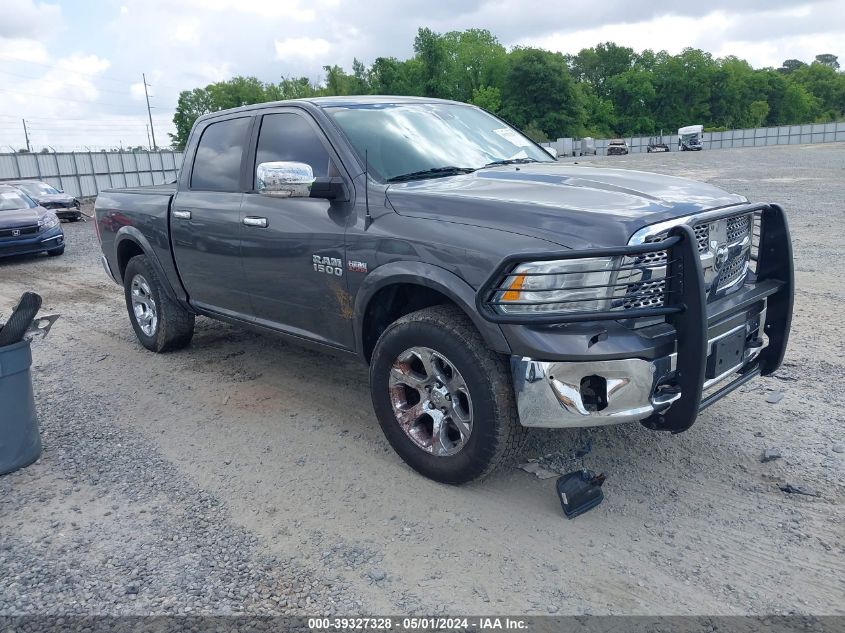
[62, 198]
[572, 205]
[15, 218]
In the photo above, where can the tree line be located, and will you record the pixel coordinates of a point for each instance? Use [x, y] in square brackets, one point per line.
[603, 91]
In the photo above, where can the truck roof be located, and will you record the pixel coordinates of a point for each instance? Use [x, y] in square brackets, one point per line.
[691, 129]
[326, 102]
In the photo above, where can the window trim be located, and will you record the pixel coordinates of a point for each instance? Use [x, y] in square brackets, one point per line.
[252, 164]
[244, 153]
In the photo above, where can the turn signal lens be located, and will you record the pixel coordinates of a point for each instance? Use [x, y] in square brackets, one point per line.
[512, 294]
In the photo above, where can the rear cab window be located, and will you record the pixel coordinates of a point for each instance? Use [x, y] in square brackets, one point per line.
[217, 164]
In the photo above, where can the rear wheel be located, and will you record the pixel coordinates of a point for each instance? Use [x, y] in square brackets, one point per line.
[160, 323]
[444, 400]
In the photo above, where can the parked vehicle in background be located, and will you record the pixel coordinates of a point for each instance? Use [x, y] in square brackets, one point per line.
[488, 286]
[25, 227]
[656, 144]
[689, 138]
[617, 147]
[588, 146]
[65, 206]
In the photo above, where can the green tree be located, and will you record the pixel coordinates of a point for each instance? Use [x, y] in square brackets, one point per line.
[487, 97]
[191, 105]
[472, 59]
[759, 111]
[826, 59]
[539, 90]
[431, 55]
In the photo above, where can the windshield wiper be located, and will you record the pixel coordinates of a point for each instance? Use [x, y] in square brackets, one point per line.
[511, 161]
[434, 172]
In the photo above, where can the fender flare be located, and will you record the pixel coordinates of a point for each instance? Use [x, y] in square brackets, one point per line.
[429, 276]
[132, 234]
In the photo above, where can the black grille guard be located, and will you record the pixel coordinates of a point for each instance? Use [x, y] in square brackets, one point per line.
[685, 307]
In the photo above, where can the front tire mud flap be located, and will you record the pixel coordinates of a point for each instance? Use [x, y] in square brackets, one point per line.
[685, 280]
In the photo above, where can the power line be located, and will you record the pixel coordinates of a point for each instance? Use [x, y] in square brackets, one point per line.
[117, 92]
[97, 74]
[32, 94]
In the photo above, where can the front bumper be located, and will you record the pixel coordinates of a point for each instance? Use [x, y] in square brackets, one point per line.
[712, 349]
[39, 243]
[596, 393]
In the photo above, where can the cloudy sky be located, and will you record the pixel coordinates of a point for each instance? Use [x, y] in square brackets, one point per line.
[73, 68]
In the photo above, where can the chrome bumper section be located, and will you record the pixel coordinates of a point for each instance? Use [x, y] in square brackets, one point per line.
[553, 394]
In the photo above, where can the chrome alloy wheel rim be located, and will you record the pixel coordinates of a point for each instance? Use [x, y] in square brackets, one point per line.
[431, 401]
[143, 305]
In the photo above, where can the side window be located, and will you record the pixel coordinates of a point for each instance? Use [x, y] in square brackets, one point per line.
[217, 165]
[289, 137]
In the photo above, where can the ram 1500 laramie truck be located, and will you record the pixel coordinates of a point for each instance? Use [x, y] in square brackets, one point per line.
[489, 287]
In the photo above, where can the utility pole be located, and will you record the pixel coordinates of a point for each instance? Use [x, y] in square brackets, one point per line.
[26, 135]
[148, 136]
[149, 113]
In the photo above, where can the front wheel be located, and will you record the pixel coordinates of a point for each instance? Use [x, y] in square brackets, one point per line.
[443, 399]
[160, 323]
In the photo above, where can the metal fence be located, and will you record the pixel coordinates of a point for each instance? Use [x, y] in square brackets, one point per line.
[755, 137]
[87, 173]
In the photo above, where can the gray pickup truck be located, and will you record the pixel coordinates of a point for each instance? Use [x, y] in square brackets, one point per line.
[489, 287]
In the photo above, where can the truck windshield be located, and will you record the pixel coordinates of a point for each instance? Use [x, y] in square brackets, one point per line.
[405, 141]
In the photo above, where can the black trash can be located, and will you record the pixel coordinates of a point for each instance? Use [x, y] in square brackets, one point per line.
[20, 442]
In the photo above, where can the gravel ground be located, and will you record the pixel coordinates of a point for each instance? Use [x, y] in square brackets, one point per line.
[247, 475]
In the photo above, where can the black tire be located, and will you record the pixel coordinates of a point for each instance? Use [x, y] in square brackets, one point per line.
[175, 325]
[496, 434]
[56, 251]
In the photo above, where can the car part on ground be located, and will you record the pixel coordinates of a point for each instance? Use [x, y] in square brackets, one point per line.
[21, 318]
[579, 492]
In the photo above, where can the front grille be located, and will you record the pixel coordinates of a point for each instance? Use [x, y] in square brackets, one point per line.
[738, 227]
[702, 236]
[647, 287]
[24, 230]
[733, 270]
[646, 294]
[57, 205]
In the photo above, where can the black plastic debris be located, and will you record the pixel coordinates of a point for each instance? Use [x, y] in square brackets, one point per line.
[798, 490]
[580, 491]
[14, 329]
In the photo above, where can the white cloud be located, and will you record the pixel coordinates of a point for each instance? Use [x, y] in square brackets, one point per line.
[302, 47]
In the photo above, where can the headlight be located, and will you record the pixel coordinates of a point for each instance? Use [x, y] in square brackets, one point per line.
[565, 285]
[48, 222]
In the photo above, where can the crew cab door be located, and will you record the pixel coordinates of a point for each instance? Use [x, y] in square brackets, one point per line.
[294, 248]
[205, 219]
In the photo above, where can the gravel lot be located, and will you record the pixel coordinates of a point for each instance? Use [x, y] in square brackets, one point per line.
[247, 475]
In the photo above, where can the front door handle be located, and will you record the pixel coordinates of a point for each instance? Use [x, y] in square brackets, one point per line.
[254, 221]
[182, 214]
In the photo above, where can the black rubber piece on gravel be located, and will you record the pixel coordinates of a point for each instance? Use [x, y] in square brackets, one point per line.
[19, 321]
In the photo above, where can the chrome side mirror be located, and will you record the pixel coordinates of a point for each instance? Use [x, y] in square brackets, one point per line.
[284, 179]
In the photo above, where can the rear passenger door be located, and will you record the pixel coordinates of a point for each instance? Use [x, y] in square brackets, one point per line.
[205, 219]
[290, 290]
